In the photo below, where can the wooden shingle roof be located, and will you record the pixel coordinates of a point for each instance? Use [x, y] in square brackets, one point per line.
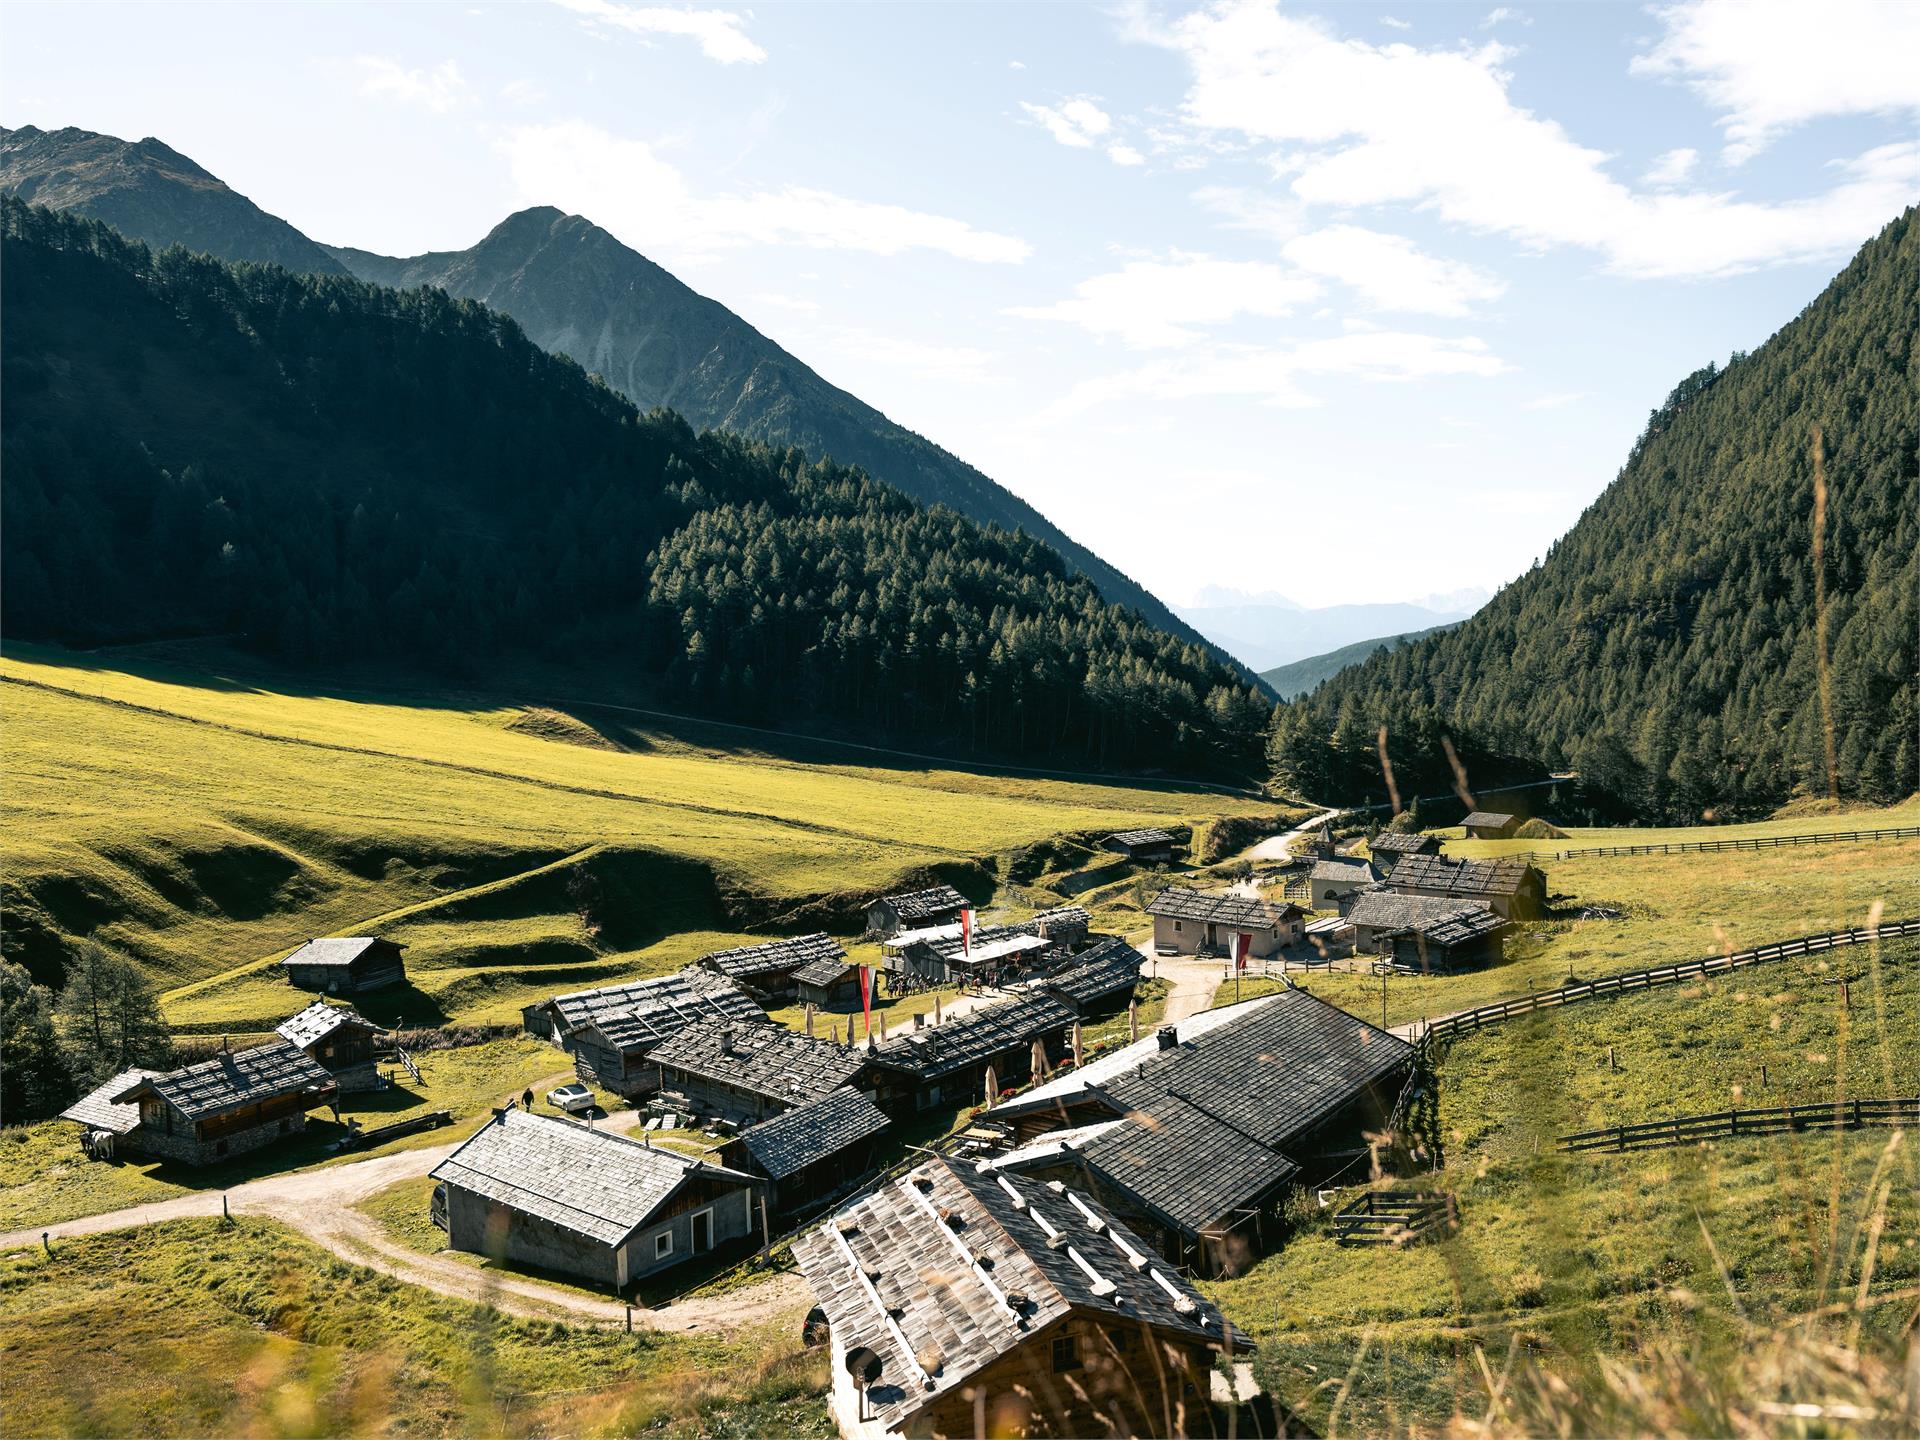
[925, 904]
[320, 1020]
[99, 1109]
[943, 1049]
[230, 1082]
[647, 1011]
[1230, 910]
[776, 957]
[1108, 968]
[1488, 817]
[768, 1060]
[1012, 1255]
[1461, 877]
[1392, 912]
[827, 970]
[1184, 1165]
[593, 1183]
[1391, 842]
[1342, 871]
[336, 953]
[813, 1132]
[1470, 923]
[1139, 839]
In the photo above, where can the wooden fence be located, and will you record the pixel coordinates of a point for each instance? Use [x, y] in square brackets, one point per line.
[1758, 842]
[1448, 1026]
[1725, 1124]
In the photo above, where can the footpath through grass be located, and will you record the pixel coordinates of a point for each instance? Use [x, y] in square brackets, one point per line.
[195, 1328]
[1579, 1257]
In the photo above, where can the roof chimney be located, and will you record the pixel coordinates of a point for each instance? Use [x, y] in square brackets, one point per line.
[1168, 1037]
[726, 1042]
[920, 1021]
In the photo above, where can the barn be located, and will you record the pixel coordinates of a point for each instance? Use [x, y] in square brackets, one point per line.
[1097, 982]
[350, 966]
[748, 1073]
[915, 910]
[1490, 825]
[229, 1105]
[947, 1064]
[1150, 847]
[556, 1195]
[767, 971]
[1389, 847]
[340, 1040]
[611, 1032]
[812, 1152]
[1513, 888]
[828, 984]
[1050, 1317]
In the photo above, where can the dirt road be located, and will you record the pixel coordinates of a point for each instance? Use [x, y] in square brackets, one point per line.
[320, 1205]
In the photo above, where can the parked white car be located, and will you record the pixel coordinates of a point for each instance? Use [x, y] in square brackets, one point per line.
[574, 1099]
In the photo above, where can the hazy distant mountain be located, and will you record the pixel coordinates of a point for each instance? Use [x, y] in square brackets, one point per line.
[575, 290]
[1270, 630]
[1302, 676]
[578, 291]
[150, 193]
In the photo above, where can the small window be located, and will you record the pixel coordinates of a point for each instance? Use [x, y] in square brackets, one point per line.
[1121, 1338]
[1066, 1354]
[1176, 927]
[663, 1244]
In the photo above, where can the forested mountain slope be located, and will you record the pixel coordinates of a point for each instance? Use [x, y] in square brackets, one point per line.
[332, 470]
[150, 193]
[1301, 676]
[578, 291]
[575, 290]
[1669, 646]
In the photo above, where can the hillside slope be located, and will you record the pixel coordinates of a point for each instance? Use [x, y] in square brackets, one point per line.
[579, 292]
[1669, 647]
[337, 472]
[152, 194]
[1302, 676]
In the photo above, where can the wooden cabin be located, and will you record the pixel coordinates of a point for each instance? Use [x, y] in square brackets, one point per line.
[611, 1032]
[749, 1073]
[1389, 847]
[554, 1194]
[1148, 847]
[109, 1128]
[346, 966]
[947, 1064]
[828, 984]
[1097, 982]
[767, 971]
[915, 910]
[812, 1152]
[1195, 922]
[1051, 1316]
[1513, 888]
[1471, 938]
[340, 1040]
[229, 1105]
[1196, 1133]
[1490, 825]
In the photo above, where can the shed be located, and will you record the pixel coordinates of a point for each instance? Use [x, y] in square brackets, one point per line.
[228, 1105]
[1101, 980]
[1331, 884]
[339, 1039]
[1196, 922]
[947, 1064]
[747, 1073]
[768, 969]
[1471, 936]
[812, 1151]
[1380, 914]
[915, 910]
[828, 984]
[1515, 889]
[1490, 825]
[1050, 1316]
[1149, 846]
[557, 1195]
[1389, 847]
[350, 966]
[109, 1127]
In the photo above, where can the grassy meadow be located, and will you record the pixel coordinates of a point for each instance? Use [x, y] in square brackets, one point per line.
[1571, 1258]
[195, 1328]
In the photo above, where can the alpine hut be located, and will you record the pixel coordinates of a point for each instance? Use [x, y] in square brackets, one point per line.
[339, 1039]
[228, 1105]
[349, 966]
[811, 1152]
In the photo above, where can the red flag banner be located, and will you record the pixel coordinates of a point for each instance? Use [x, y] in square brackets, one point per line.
[966, 933]
[1240, 943]
[866, 997]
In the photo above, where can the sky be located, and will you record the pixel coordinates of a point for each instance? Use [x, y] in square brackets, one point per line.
[1344, 303]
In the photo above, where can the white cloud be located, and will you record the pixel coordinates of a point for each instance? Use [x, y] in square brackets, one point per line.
[1122, 154]
[1016, 64]
[1078, 122]
[1393, 22]
[625, 186]
[1772, 65]
[1672, 168]
[720, 34]
[1502, 14]
[1399, 125]
[1272, 374]
[1152, 304]
[1392, 273]
[440, 90]
[1279, 217]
